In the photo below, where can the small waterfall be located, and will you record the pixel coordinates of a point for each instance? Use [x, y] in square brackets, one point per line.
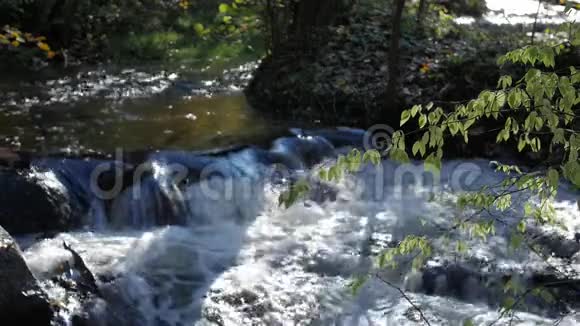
[187, 188]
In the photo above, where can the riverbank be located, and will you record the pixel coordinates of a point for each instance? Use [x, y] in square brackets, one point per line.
[50, 35]
[343, 80]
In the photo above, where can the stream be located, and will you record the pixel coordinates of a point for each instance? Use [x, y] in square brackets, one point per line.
[233, 256]
[197, 236]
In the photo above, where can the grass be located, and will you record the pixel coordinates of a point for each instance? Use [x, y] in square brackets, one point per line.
[180, 45]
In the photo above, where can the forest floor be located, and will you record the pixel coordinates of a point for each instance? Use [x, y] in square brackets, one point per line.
[344, 80]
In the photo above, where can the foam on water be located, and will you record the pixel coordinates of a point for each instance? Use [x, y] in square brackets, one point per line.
[247, 261]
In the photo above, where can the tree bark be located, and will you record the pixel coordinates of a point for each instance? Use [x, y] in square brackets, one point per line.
[273, 26]
[421, 11]
[394, 55]
[310, 15]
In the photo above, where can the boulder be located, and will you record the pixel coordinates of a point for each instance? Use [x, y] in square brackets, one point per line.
[27, 207]
[22, 301]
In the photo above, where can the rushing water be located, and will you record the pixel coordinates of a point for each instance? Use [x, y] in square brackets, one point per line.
[238, 258]
[215, 248]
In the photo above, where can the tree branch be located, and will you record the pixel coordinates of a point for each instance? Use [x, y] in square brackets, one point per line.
[405, 296]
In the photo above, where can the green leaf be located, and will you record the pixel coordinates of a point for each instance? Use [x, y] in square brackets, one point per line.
[416, 109]
[358, 283]
[528, 209]
[516, 241]
[405, 116]
[550, 84]
[522, 226]
[386, 258]
[323, 175]
[454, 128]
[574, 75]
[416, 148]
[224, 8]
[372, 156]
[548, 57]
[461, 247]
[572, 171]
[504, 82]
[521, 144]
[334, 173]
[399, 155]
[508, 304]
[199, 28]
[422, 120]
[515, 98]
[553, 177]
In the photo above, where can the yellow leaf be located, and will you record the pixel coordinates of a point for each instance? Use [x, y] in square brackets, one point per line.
[41, 38]
[15, 44]
[50, 54]
[43, 46]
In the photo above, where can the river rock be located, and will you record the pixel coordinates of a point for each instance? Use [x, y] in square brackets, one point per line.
[556, 245]
[27, 207]
[22, 301]
[469, 283]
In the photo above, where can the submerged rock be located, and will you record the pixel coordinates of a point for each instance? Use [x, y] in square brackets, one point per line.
[75, 292]
[21, 299]
[556, 245]
[86, 279]
[554, 294]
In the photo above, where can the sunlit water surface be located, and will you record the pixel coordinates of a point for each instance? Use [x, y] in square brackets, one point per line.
[252, 262]
[513, 12]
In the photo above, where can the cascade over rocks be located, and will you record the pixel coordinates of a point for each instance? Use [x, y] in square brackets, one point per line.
[22, 301]
[58, 193]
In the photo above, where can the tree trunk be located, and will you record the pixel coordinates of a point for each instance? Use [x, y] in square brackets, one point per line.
[310, 15]
[394, 55]
[536, 23]
[273, 27]
[421, 16]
